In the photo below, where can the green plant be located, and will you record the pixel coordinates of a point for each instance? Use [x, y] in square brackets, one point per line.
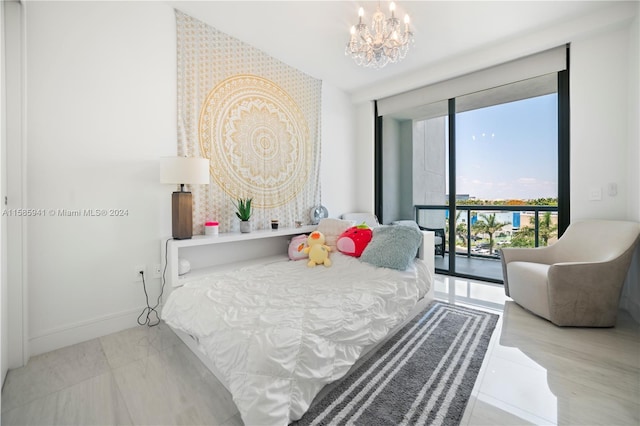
[487, 224]
[546, 229]
[243, 208]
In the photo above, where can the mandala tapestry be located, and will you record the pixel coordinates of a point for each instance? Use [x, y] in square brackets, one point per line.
[256, 119]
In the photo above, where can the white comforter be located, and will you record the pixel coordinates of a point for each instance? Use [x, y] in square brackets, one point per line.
[279, 332]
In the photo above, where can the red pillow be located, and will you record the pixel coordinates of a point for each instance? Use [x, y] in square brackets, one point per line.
[354, 240]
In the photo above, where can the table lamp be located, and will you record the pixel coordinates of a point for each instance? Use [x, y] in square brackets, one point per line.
[182, 171]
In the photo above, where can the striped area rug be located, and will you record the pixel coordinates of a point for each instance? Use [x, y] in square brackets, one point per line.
[421, 376]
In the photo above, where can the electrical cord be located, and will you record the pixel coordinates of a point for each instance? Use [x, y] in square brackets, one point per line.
[149, 310]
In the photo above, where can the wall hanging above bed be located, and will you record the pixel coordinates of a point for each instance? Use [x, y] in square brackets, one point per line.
[258, 122]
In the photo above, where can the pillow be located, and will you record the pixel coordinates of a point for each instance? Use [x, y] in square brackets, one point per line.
[368, 218]
[411, 223]
[354, 240]
[296, 245]
[332, 228]
[393, 246]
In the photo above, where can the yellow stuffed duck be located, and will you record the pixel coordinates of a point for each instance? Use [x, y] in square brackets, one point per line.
[317, 250]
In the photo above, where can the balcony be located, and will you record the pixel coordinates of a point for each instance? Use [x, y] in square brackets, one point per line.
[487, 268]
[477, 247]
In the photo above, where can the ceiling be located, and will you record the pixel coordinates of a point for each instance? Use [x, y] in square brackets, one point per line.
[312, 35]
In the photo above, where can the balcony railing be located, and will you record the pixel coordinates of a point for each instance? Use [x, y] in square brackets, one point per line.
[519, 221]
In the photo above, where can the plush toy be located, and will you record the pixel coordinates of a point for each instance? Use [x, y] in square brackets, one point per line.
[317, 250]
[296, 247]
[354, 240]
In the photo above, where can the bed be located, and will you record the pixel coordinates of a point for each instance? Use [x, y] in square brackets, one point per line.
[275, 331]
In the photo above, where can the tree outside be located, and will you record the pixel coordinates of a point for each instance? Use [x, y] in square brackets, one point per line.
[487, 224]
[461, 229]
[546, 229]
[525, 237]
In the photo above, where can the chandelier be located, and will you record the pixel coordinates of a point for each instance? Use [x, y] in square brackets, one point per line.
[384, 42]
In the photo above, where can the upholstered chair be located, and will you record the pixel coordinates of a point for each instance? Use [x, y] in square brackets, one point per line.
[369, 218]
[578, 280]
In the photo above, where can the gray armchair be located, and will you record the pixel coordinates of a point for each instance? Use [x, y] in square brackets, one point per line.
[578, 280]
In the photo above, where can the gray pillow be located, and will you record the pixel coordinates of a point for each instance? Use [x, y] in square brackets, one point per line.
[393, 246]
[411, 223]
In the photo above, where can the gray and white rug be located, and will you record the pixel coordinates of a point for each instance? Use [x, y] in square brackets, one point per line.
[422, 376]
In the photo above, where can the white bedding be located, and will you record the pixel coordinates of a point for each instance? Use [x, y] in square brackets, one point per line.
[279, 332]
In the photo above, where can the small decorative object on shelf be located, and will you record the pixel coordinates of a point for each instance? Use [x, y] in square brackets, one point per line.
[243, 211]
[211, 229]
[318, 213]
[274, 224]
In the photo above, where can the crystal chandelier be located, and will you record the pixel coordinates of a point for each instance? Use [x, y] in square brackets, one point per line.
[384, 42]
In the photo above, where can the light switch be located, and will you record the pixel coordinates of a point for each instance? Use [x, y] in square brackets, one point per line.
[595, 193]
[612, 189]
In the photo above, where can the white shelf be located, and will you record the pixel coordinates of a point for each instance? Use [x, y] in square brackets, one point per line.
[229, 237]
[208, 254]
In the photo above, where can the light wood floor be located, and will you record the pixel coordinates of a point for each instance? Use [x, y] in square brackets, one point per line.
[533, 373]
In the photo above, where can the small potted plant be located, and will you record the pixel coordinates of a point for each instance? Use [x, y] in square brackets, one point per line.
[243, 211]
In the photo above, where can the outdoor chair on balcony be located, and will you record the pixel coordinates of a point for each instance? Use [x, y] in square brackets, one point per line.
[438, 238]
[578, 280]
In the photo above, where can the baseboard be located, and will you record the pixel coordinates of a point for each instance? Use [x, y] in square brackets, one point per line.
[82, 331]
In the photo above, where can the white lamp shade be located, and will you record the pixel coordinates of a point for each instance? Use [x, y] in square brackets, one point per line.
[184, 170]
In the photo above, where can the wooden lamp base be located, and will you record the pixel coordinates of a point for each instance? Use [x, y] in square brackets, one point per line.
[182, 218]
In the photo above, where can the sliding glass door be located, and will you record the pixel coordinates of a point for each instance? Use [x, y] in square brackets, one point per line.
[506, 169]
[485, 172]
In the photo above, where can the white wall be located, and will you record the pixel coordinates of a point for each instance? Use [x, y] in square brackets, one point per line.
[339, 155]
[100, 111]
[364, 139]
[599, 131]
[603, 97]
[631, 291]
[101, 95]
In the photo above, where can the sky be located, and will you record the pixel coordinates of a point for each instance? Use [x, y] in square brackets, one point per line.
[508, 151]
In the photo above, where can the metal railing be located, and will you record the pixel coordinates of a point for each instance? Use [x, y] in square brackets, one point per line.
[468, 209]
